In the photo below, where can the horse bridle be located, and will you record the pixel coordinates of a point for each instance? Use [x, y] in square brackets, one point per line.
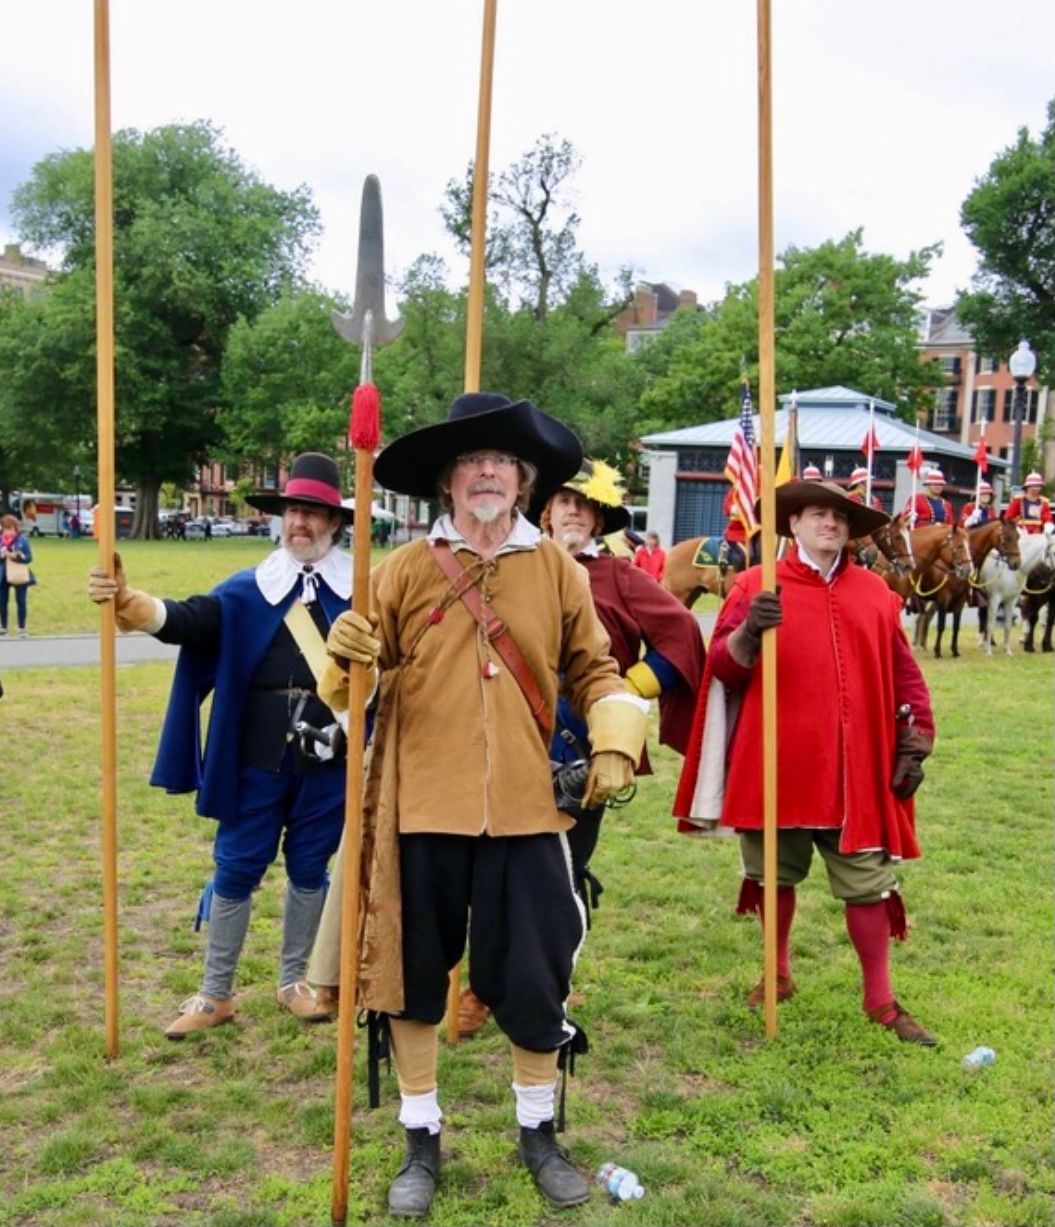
[950, 570]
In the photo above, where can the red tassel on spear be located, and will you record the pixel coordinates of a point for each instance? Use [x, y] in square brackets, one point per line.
[365, 326]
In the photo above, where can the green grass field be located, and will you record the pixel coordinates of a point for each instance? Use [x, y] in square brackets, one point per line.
[833, 1123]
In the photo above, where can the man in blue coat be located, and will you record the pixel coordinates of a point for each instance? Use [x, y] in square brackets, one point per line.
[257, 643]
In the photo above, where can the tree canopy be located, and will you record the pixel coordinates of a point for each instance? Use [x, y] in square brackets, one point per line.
[1009, 216]
[843, 316]
[199, 242]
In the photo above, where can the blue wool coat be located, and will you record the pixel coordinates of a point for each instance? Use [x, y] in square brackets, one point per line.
[223, 660]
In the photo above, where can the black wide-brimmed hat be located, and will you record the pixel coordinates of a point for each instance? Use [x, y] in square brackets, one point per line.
[600, 485]
[479, 421]
[313, 479]
[793, 496]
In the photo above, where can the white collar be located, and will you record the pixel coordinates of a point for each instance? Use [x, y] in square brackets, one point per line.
[836, 566]
[279, 571]
[590, 550]
[522, 536]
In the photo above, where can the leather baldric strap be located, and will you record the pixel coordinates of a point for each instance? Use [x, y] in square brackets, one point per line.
[463, 583]
[307, 636]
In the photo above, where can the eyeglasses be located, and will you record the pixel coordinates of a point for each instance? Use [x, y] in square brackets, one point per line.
[477, 460]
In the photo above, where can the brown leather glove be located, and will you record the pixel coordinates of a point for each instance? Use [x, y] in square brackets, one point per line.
[352, 637]
[133, 609]
[746, 641]
[912, 748]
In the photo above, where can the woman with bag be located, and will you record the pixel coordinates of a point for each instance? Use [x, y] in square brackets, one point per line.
[16, 555]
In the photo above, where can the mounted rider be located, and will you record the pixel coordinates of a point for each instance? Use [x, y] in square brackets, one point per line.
[928, 506]
[975, 514]
[857, 489]
[1030, 510]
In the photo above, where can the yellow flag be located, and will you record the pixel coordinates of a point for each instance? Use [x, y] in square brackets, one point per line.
[785, 471]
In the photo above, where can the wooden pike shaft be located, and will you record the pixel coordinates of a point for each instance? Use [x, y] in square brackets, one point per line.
[104, 344]
[766, 403]
[474, 319]
[360, 683]
[474, 316]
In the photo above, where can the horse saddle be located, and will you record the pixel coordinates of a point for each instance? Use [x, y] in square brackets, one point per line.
[718, 552]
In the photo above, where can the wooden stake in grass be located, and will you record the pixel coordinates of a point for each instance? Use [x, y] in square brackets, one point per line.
[474, 315]
[104, 516]
[366, 325]
[766, 402]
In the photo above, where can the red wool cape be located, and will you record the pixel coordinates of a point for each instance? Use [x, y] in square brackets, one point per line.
[633, 607]
[843, 669]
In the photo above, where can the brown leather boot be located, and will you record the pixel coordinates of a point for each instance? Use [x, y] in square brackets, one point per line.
[472, 1013]
[305, 1003]
[903, 1025]
[756, 998]
[198, 1013]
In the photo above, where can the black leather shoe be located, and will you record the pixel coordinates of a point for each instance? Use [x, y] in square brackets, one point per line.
[410, 1194]
[557, 1180]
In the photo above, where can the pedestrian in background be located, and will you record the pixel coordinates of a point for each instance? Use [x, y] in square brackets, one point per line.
[16, 555]
[650, 558]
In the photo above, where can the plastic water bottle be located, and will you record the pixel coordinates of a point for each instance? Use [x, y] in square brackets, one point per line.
[979, 1057]
[619, 1182]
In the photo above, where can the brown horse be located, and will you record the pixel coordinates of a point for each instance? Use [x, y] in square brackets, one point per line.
[940, 577]
[688, 580]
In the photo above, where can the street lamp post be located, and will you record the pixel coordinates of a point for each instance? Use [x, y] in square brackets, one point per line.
[77, 495]
[1022, 364]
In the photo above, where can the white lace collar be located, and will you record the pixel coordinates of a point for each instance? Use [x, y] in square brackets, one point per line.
[279, 571]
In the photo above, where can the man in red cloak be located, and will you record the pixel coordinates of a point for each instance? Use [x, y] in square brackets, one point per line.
[854, 724]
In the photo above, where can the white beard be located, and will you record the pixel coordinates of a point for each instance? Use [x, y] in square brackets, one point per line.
[486, 513]
[304, 551]
[573, 539]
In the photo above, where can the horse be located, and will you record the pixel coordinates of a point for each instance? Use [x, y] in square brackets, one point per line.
[997, 576]
[887, 549]
[1038, 593]
[942, 568]
[687, 579]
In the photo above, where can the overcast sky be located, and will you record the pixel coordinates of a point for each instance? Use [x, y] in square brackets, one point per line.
[885, 112]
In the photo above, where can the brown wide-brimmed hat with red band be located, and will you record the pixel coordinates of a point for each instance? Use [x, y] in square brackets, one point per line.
[313, 479]
[793, 496]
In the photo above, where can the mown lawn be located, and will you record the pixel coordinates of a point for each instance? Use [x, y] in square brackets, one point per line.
[833, 1123]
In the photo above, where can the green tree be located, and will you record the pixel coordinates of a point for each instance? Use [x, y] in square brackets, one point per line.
[199, 242]
[843, 316]
[287, 377]
[1009, 216]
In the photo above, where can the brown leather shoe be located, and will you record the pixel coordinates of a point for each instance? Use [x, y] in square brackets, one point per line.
[198, 1013]
[756, 998]
[305, 1003]
[472, 1013]
[903, 1025]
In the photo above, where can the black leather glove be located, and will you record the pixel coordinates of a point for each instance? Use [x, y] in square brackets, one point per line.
[912, 748]
[764, 613]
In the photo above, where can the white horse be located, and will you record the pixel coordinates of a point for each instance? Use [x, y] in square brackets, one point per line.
[1003, 586]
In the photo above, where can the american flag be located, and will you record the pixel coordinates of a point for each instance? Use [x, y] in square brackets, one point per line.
[741, 466]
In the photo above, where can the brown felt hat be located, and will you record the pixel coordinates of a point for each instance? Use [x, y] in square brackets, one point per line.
[793, 496]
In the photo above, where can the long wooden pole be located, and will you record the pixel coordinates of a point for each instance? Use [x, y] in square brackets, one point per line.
[474, 313]
[104, 518]
[360, 681]
[766, 413]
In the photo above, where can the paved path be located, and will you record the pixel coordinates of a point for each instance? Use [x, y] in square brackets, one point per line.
[54, 651]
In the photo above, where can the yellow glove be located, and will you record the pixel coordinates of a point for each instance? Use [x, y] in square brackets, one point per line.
[132, 609]
[610, 774]
[352, 637]
[617, 734]
[333, 686]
